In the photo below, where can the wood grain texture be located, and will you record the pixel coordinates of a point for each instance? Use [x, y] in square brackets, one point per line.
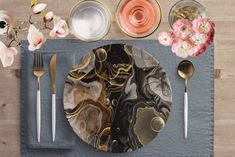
[221, 11]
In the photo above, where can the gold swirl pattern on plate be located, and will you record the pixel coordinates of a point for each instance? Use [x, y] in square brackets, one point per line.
[118, 99]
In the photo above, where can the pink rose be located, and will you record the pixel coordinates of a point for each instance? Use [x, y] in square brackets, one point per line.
[199, 38]
[7, 54]
[166, 38]
[182, 29]
[181, 48]
[60, 28]
[203, 25]
[198, 50]
[35, 38]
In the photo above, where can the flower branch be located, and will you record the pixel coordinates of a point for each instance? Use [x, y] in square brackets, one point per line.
[35, 37]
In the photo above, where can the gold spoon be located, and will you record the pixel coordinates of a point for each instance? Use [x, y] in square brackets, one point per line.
[186, 71]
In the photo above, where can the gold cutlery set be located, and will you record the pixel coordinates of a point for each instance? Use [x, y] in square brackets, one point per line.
[38, 71]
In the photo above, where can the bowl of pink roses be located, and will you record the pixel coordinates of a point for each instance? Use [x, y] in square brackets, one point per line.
[192, 31]
[189, 38]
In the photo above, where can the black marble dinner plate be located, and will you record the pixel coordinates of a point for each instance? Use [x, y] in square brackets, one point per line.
[118, 98]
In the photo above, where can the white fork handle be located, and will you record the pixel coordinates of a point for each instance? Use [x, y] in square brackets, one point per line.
[185, 114]
[38, 115]
[53, 116]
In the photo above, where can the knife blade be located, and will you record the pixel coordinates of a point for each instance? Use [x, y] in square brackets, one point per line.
[53, 82]
[53, 72]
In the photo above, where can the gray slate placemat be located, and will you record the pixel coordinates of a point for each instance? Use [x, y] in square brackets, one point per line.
[169, 143]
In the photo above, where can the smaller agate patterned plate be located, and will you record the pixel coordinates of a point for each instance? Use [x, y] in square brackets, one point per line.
[118, 98]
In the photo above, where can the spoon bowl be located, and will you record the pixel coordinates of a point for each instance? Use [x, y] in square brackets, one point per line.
[186, 69]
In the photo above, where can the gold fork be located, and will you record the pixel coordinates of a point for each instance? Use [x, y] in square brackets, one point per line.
[38, 72]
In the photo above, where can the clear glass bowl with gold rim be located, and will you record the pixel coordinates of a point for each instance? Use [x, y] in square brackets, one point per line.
[138, 18]
[89, 20]
[186, 9]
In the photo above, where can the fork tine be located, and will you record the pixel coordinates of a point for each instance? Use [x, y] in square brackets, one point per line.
[36, 64]
[34, 60]
[42, 61]
[39, 60]
[38, 57]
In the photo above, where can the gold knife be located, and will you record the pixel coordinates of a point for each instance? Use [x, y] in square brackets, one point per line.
[53, 82]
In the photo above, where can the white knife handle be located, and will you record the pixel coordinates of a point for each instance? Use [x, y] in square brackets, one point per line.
[38, 115]
[53, 116]
[185, 114]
